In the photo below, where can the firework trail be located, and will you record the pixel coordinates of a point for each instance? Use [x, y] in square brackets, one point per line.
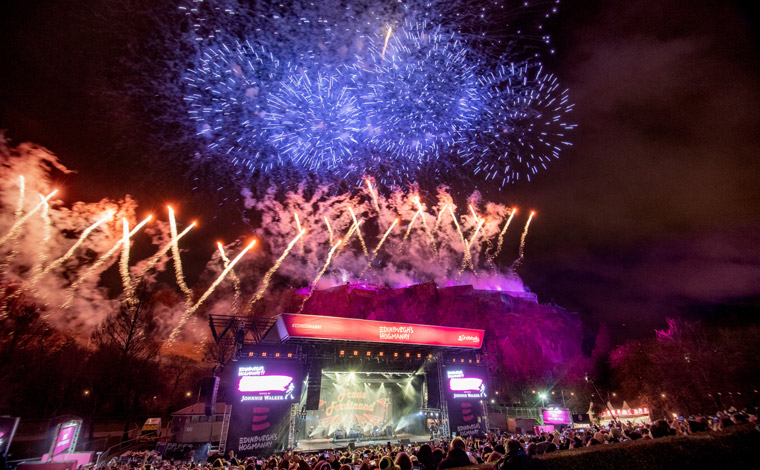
[126, 279]
[372, 194]
[354, 228]
[14, 230]
[21, 196]
[385, 235]
[503, 232]
[472, 211]
[329, 229]
[298, 226]
[521, 255]
[159, 254]
[100, 261]
[17, 215]
[424, 223]
[385, 44]
[71, 250]
[209, 291]
[298, 221]
[438, 218]
[379, 245]
[46, 229]
[268, 276]
[321, 272]
[177, 260]
[233, 276]
[409, 227]
[359, 233]
[474, 237]
[467, 258]
[327, 263]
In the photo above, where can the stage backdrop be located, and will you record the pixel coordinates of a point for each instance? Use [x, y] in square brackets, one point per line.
[262, 391]
[369, 405]
[465, 387]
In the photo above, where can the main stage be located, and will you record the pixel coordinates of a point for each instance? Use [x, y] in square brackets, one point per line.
[313, 382]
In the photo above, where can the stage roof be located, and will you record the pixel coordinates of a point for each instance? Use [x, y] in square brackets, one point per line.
[317, 327]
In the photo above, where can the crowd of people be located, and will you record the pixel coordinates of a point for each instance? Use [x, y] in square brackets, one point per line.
[504, 451]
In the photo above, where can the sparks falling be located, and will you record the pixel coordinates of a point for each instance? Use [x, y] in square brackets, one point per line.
[340, 260]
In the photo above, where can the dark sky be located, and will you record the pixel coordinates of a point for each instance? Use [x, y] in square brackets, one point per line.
[655, 211]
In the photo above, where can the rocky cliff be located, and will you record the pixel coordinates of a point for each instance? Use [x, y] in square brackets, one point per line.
[526, 342]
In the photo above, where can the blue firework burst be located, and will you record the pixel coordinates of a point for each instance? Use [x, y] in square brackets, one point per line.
[420, 92]
[523, 127]
[226, 98]
[315, 122]
[417, 102]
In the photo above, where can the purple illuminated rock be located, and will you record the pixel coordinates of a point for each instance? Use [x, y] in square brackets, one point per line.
[526, 342]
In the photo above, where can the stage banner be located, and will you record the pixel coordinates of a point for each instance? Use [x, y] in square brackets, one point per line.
[258, 428]
[466, 417]
[263, 391]
[293, 325]
[465, 390]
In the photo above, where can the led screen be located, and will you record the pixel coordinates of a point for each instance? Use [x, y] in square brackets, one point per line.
[557, 416]
[465, 381]
[268, 380]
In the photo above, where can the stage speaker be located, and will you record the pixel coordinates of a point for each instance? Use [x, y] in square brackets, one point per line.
[433, 388]
[209, 391]
[314, 385]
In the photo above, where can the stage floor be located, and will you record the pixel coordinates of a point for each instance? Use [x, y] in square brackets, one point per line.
[310, 445]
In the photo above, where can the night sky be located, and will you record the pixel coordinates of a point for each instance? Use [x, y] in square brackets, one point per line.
[655, 211]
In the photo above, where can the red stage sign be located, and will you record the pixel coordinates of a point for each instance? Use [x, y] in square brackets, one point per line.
[293, 325]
